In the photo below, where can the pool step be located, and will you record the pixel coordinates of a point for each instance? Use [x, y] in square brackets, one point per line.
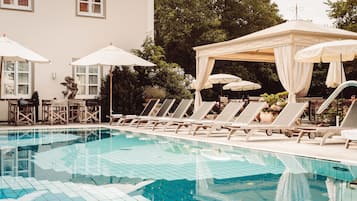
[57, 190]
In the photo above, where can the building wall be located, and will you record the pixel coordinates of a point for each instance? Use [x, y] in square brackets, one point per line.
[55, 31]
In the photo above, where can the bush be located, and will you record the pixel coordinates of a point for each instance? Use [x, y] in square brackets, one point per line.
[127, 92]
[154, 92]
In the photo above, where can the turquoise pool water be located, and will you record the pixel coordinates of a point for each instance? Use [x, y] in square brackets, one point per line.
[104, 164]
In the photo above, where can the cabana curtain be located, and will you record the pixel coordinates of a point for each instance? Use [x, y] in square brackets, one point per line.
[288, 70]
[202, 73]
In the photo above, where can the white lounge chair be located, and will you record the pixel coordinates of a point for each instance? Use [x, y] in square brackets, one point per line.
[201, 112]
[285, 120]
[246, 117]
[349, 122]
[226, 115]
[147, 111]
[162, 112]
[179, 112]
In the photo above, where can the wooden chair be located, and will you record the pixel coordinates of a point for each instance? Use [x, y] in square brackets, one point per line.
[58, 112]
[91, 113]
[21, 114]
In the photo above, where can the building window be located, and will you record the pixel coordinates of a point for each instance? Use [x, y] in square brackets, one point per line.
[88, 81]
[17, 4]
[92, 8]
[16, 80]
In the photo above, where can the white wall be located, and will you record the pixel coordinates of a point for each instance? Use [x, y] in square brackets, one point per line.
[55, 31]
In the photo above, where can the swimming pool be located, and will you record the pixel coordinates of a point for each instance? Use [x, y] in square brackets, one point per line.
[104, 164]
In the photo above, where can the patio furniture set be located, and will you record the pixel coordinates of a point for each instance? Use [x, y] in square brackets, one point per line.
[22, 112]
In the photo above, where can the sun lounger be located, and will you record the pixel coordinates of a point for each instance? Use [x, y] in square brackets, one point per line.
[201, 112]
[349, 122]
[285, 120]
[147, 111]
[116, 117]
[162, 112]
[179, 112]
[246, 117]
[227, 115]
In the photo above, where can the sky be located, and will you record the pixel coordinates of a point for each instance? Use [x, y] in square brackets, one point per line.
[314, 10]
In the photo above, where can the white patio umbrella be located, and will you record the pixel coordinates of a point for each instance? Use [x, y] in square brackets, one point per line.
[13, 51]
[242, 86]
[340, 50]
[223, 78]
[111, 56]
[194, 83]
[334, 52]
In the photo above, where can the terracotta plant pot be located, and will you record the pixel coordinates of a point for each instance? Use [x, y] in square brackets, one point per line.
[266, 117]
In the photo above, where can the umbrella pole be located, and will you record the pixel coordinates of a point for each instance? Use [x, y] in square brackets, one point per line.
[111, 91]
[1, 60]
[341, 95]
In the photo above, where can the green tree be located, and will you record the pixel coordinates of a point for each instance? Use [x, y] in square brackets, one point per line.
[181, 25]
[345, 13]
[242, 17]
[168, 76]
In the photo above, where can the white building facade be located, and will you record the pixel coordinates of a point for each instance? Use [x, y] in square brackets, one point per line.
[62, 31]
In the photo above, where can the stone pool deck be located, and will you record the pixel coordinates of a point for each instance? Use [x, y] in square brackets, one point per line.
[333, 149]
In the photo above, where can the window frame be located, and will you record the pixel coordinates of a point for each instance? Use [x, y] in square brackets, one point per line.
[18, 7]
[90, 13]
[86, 94]
[16, 72]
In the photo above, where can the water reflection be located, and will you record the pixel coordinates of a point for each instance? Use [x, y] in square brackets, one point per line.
[299, 181]
[340, 190]
[293, 184]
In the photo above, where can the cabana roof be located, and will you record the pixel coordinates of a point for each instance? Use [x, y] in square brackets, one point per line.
[258, 46]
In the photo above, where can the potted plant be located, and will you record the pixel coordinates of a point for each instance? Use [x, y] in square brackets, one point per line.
[275, 103]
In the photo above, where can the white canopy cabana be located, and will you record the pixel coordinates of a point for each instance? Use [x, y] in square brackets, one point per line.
[277, 44]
